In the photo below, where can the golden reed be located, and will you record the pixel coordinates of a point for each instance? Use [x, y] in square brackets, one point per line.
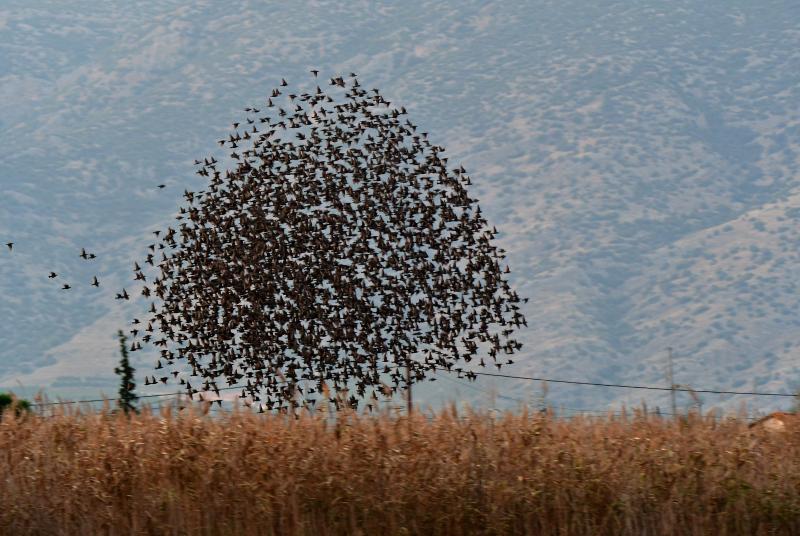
[448, 473]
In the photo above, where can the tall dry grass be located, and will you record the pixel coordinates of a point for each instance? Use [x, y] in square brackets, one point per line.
[448, 474]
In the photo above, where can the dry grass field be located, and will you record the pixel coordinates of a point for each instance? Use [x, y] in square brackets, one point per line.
[465, 473]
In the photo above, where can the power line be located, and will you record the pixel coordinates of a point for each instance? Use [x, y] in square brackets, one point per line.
[476, 388]
[598, 411]
[178, 393]
[488, 374]
[625, 386]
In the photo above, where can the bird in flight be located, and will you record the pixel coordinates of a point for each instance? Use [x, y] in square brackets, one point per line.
[10, 245]
[52, 275]
[95, 282]
[66, 287]
[340, 182]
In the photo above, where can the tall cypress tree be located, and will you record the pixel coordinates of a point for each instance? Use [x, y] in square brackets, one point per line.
[127, 398]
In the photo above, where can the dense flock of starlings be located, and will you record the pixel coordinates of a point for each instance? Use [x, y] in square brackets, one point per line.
[338, 259]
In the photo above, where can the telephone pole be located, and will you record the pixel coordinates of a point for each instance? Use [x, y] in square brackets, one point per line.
[409, 400]
[671, 379]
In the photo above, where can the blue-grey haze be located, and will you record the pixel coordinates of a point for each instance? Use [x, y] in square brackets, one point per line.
[640, 160]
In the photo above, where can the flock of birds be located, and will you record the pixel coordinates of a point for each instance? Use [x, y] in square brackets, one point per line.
[66, 286]
[339, 258]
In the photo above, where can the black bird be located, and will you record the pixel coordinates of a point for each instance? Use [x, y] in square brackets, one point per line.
[328, 179]
[95, 282]
[66, 287]
[52, 275]
[9, 245]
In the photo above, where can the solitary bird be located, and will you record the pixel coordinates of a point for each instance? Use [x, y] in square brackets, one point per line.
[10, 245]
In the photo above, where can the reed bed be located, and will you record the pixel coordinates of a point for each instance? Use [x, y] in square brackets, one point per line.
[448, 473]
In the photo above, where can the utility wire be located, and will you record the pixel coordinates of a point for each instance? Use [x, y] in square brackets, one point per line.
[137, 396]
[624, 386]
[489, 374]
[476, 388]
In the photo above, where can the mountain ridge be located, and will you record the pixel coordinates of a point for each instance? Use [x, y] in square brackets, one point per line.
[610, 144]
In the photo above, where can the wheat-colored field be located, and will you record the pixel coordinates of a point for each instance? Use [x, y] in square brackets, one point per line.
[450, 473]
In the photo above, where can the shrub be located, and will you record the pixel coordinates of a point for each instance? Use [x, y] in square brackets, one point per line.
[9, 401]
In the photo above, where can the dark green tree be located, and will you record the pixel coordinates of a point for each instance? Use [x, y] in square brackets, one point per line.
[127, 398]
[8, 401]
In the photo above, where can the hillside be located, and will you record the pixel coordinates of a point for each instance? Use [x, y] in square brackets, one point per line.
[641, 163]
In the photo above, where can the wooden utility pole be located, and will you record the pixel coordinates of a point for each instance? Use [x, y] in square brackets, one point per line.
[671, 379]
[409, 400]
